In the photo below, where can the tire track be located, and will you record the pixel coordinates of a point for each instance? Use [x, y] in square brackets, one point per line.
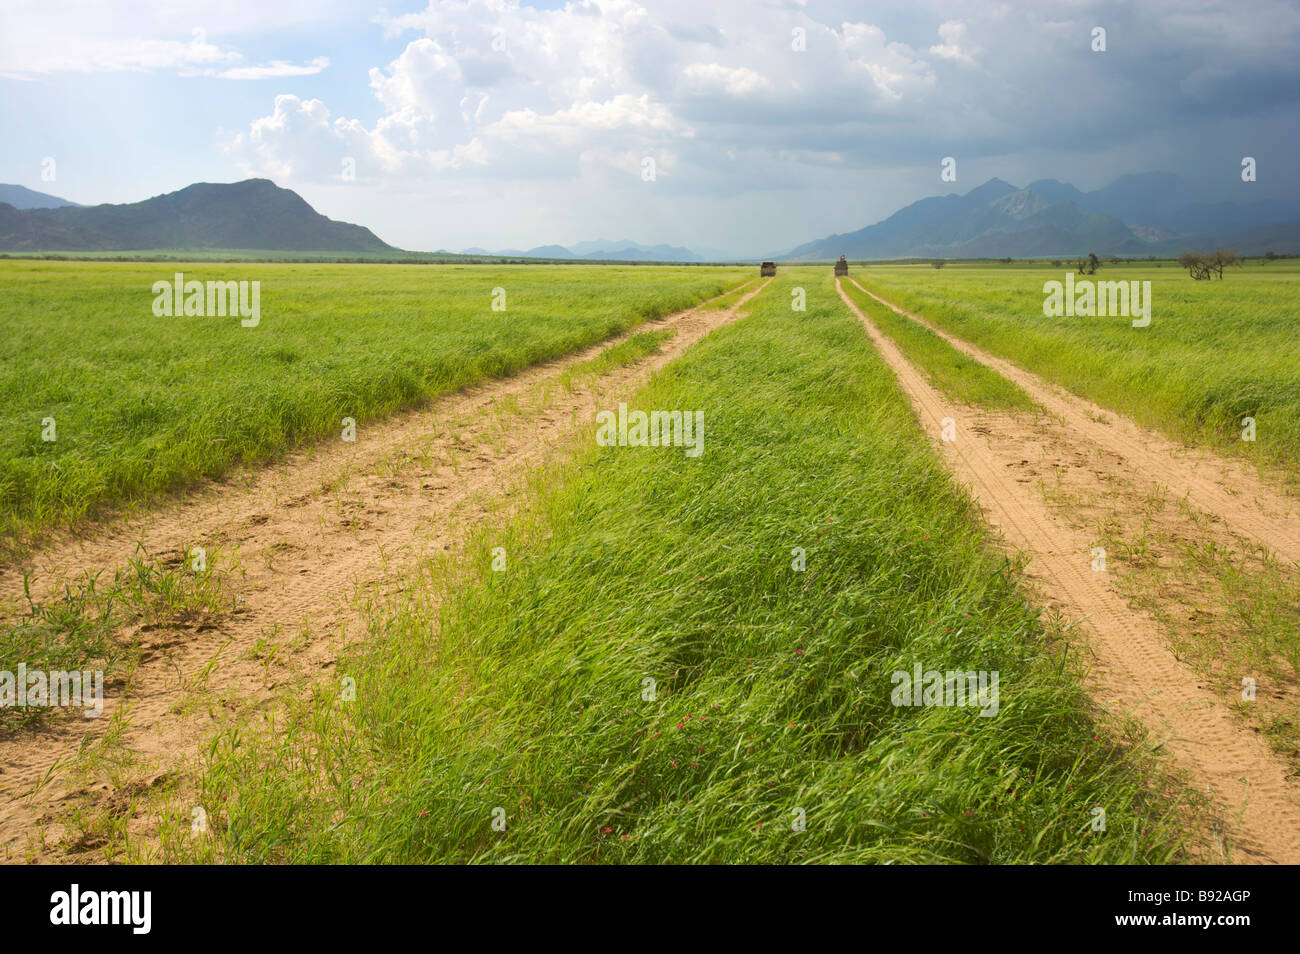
[1134, 667]
[312, 533]
[1215, 485]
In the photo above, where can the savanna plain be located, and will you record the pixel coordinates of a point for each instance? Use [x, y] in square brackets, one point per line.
[365, 586]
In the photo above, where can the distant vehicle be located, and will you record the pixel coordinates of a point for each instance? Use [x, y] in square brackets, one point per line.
[766, 269]
[841, 267]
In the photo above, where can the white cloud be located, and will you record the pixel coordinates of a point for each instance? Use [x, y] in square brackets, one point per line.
[300, 141]
[952, 33]
[87, 54]
[478, 93]
[895, 69]
[492, 88]
[276, 69]
[734, 81]
[44, 37]
[196, 57]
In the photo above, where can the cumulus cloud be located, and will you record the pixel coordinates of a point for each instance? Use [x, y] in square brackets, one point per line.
[733, 81]
[952, 34]
[491, 90]
[300, 140]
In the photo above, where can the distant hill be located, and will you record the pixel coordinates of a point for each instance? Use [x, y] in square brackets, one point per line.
[629, 251]
[1164, 202]
[1136, 215]
[253, 214]
[21, 197]
[549, 251]
[602, 250]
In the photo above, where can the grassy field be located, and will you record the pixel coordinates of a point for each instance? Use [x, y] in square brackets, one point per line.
[143, 404]
[959, 377]
[1214, 353]
[730, 299]
[393, 255]
[655, 678]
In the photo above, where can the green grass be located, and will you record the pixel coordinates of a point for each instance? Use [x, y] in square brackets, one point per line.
[636, 348]
[959, 377]
[525, 691]
[730, 299]
[1214, 353]
[143, 405]
[392, 255]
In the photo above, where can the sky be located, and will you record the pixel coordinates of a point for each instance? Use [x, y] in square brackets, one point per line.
[740, 126]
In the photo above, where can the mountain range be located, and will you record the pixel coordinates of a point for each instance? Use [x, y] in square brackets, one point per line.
[624, 250]
[21, 197]
[1153, 213]
[253, 214]
[1156, 214]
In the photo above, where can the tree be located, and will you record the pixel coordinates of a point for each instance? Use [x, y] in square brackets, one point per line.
[1056, 263]
[938, 263]
[1222, 257]
[1197, 264]
[1202, 265]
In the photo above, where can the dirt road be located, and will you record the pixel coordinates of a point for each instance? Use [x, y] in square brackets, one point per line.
[1135, 672]
[310, 534]
[1226, 489]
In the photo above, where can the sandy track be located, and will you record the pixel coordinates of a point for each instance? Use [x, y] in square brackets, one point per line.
[1222, 488]
[310, 533]
[1134, 669]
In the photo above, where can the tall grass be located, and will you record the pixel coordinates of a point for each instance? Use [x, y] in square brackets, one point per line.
[628, 351]
[960, 377]
[142, 405]
[525, 695]
[731, 298]
[1214, 353]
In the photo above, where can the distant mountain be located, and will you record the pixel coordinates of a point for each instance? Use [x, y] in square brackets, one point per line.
[629, 251]
[21, 197]
[633, 252]
[253, 214]
[601, 250]
[1054, 192]
[993, 220]
[1148, 198]
[1136, 215]
[583, 248]
[549, 251]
